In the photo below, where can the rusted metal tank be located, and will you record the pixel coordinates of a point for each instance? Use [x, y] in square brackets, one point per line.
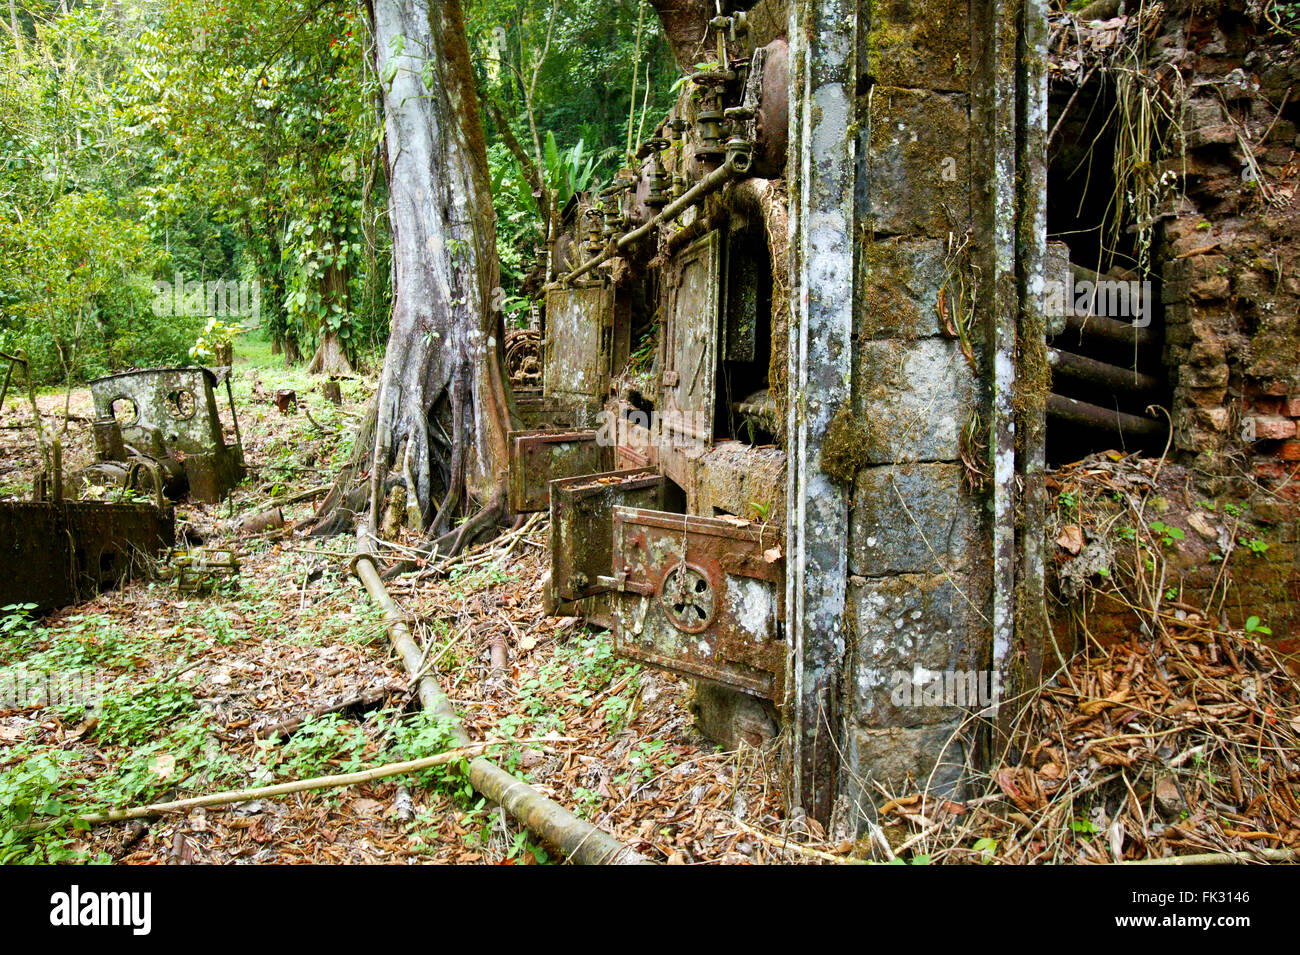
[169, 416]
[58, 552]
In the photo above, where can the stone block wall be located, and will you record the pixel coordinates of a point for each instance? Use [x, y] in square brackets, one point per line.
[917, 589]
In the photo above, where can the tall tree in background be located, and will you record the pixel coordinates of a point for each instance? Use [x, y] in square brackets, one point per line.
[443, 403]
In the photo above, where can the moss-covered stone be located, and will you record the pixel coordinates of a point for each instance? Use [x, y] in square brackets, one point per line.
[918, 43]
[846, 449]
[911, 519]
[915, 396]
[898, 288]
[918, 162]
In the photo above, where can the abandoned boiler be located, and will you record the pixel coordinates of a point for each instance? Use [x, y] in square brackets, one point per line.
[803, 369]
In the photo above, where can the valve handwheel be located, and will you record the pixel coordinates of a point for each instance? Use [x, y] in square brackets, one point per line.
[687, 598]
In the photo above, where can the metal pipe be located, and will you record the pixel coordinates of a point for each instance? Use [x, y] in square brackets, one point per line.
[1099, 373]
[1094, 416]
[1122, 333]
[579, 840]
[734, 166]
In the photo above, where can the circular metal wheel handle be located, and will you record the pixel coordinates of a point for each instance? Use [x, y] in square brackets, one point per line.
[687, 598]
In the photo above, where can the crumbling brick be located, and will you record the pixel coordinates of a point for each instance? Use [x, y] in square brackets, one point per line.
[1273, 427]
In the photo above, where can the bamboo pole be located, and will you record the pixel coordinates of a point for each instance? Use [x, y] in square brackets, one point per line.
[1220, 858]
[582, 842]
[284, 789]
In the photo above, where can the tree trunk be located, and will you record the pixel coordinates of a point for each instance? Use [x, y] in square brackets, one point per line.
[443, 400]
[330, 357]
[685, 25]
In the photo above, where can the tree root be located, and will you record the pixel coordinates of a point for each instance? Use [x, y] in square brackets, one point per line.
[457, 539]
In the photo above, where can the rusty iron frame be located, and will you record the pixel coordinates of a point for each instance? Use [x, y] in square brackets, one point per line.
[687, 592]
[540, 456]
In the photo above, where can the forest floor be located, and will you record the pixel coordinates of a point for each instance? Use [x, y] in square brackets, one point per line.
[284, 672]
[1168, 744]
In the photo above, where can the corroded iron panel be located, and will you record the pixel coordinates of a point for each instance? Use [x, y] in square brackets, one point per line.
[168, 415]
[700, 597]
[582, 525]
[175, 404]
[690, 354]
[57, 553]
[579, 342]
[539, 457]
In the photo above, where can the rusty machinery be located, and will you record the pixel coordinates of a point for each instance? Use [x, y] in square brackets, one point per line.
[167, 416]
[55, 551]
[664, 480]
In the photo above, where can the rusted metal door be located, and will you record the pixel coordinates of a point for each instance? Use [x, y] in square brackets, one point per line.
[56, 553]
[691, 345]
[579, 342]
[582, 525]
[539, 457]
[700, 597]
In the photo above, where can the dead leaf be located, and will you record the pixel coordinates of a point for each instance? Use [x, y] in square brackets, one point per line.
[163, 766]
[1202, 525]
[1071, 538]
[772, 554]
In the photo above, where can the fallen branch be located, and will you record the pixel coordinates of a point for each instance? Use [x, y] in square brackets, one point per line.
[788, 846]
[319, 427]
[578, 839]
[298, 786]
[361, 701]
[308, 495]
[1220, 858]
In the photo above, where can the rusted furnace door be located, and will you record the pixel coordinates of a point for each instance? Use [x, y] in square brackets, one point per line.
[579, 342]
[690, 354]
[701, 597]
[539, 457]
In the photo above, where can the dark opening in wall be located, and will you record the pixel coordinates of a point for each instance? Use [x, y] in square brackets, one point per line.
[674, 497]
[745, 410]
[1106, 339]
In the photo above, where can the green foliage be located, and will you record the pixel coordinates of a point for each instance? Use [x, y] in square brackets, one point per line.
[214, 336]
[1253, 626]
[187, 142]
[323, 744]
[1169, 536]
[579, 89]
[1257, 545]
[138, 712]
[34, 790]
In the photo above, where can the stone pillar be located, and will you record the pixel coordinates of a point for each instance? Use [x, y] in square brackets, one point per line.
[939, 288]
[823, 51]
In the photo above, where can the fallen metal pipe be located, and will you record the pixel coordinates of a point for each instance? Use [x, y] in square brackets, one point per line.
[1094, 416]
[734, 166]
[582, 842]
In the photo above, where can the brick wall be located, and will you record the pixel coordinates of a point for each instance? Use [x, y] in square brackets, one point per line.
[1230, 253]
